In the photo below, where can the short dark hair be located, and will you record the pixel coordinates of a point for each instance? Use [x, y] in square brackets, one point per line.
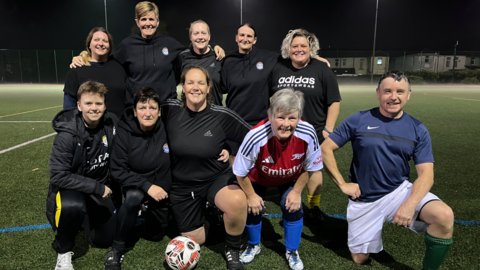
[143, 95]
[183, 98]
[90, 37]
[396, 75]
[91, 87]
[249, 26]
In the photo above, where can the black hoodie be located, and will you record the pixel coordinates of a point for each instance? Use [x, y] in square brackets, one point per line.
[149, 62]
[140, 159]
[91, 176]
[245, 78]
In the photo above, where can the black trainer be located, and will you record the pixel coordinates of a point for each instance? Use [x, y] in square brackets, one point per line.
[316, 214]
[265, 211]
[114, 260]
[233, 258]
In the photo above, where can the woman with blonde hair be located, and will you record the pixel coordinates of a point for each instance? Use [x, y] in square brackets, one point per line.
[201, 53]
[322, 96]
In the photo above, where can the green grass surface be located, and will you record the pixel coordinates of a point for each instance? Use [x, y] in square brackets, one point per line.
[451, 114]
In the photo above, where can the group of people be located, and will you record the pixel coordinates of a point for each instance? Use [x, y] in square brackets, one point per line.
[277, 128]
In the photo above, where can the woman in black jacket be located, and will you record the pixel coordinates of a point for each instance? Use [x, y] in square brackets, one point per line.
[79, 174]
[141, 165]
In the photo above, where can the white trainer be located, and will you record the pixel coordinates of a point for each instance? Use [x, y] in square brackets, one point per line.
[249, 254]
[294, 260]
[64, 261]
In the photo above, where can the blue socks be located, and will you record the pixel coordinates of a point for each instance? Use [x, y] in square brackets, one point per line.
[254, 233]
[293, 233]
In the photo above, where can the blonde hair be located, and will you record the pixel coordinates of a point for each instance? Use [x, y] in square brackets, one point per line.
[143, 8]
[311, 39]
[190, 30]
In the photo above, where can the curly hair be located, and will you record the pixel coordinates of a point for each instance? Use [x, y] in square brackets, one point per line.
[311, 38]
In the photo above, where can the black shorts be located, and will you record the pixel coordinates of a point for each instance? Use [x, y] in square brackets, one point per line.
[234, 146]
[189, 210]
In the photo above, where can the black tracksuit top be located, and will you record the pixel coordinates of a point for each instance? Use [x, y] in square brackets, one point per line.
[245, 78]
[140, 159]
[196, 140]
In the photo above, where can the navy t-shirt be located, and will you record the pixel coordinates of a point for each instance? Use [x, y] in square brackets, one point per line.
[382, 148]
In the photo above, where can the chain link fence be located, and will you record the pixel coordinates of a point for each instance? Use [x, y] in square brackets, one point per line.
[427, 66]
[35, 66]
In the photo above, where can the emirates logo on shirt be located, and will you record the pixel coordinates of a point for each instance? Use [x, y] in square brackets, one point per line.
[281, 172]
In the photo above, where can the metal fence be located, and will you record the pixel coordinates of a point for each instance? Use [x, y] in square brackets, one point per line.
[51, 66]
[35, 66]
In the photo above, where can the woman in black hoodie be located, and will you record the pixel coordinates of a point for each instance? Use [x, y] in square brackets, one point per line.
[141, 164]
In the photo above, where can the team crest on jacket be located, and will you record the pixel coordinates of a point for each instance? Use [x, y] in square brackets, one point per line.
[165, 148]
[259, 65]
[165, 51]
[104, 140]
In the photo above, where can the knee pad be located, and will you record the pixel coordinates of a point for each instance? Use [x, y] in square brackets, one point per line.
[134, 197]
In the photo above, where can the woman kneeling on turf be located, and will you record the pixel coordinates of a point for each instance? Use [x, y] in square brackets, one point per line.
[279, 149]
[197, 132]
[141, 164]
[78, 166]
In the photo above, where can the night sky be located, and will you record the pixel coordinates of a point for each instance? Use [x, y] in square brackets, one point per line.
[341, 25]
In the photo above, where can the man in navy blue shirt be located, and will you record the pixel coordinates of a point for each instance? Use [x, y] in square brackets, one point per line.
[384, 139]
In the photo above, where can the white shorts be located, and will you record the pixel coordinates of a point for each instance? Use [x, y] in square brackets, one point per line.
[365, 219]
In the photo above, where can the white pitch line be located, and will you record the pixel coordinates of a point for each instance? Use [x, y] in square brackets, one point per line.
[467, 99]
[25, 121]
[25, 143]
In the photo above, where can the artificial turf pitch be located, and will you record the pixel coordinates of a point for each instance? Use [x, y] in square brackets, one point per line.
[451, 113]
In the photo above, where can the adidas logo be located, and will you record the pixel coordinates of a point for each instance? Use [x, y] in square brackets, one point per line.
[208, 134]
[212, 65]
[268, 160]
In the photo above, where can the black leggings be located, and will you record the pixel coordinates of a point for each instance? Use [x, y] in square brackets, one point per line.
[76, 209]
[156, 219]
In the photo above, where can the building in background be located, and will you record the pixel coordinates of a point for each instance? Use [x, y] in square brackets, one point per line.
[358, 63]
[429, 60]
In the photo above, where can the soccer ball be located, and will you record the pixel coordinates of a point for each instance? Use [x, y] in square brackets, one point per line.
[182, 253]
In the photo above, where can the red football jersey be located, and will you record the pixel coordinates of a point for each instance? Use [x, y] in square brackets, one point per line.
[271, 163]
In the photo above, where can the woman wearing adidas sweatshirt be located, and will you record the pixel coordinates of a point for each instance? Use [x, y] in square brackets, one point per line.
[246, 76]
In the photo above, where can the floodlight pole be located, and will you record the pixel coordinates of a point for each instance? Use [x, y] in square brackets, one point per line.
[106, 23]
[454, 56]
[374, 39]
[241, 12]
